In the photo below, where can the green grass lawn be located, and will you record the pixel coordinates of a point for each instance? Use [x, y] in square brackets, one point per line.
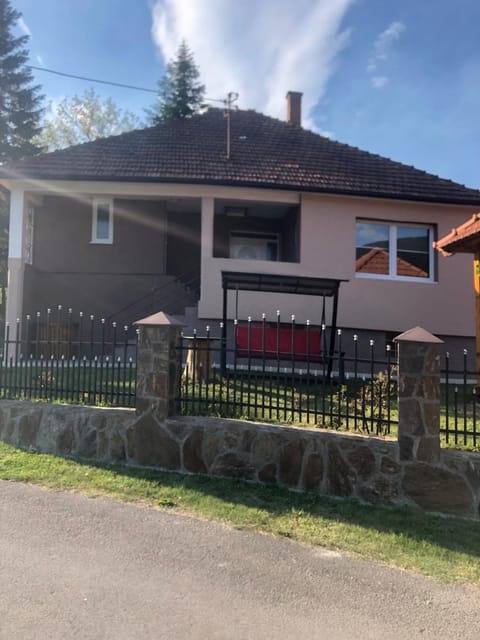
[447, 549]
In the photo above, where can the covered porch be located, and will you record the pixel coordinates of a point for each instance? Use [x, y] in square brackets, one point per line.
[124, 250]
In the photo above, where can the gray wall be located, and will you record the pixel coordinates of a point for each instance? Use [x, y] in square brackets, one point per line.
[183, 243]
[69, 270]
[62, 238]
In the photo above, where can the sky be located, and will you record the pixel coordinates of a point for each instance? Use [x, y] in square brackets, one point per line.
[400, 78]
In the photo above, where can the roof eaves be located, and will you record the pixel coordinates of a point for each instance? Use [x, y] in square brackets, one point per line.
[285, 186]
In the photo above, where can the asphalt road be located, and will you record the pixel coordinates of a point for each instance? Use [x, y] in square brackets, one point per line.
[73, 567]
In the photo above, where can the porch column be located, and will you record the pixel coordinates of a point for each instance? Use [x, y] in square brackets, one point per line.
[208, 207]
[16, 260]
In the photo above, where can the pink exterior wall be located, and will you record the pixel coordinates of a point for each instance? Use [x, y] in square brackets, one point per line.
[327, 249]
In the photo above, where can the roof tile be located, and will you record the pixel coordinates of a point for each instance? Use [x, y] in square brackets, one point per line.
[264, 152]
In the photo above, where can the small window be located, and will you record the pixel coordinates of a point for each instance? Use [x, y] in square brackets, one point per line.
[246, 245]
[102, 222]
[394, 251]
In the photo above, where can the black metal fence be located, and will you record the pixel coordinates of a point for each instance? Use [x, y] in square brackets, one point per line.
[459, 411]
[276, 372]
[69, 357]
[292, 374]
[289, 373]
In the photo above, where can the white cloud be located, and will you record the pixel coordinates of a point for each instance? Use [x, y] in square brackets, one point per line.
[22, 25]
[386, 38]
[381, 48]
[40, 60]
[259, 49]
[379, 81]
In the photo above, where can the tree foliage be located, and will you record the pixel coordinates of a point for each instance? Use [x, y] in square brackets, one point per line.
[81, 119]
[20, 100]
[181, 93]
[20, 110]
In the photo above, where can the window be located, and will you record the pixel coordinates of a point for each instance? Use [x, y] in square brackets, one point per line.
[102, 221]
[246, 245]
[396, 251]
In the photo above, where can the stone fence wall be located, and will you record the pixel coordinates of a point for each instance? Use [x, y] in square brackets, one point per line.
[412, 470]
[370, 469]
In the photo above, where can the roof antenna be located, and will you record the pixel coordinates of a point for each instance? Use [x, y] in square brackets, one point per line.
[228, 102]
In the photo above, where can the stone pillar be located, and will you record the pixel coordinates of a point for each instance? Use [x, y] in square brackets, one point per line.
[419, 395]
[158, 365]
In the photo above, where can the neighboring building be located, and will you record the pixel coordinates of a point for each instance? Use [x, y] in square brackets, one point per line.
[121, 225]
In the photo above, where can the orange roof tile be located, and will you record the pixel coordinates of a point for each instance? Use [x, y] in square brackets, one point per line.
[463, 239]
[377, 261]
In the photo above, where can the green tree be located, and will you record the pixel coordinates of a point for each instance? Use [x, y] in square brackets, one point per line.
[20, 109]
[181, 93]
[81, 119]
[20, 100]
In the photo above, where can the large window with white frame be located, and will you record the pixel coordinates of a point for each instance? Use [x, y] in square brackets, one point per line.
[102, 221]
[394, 250]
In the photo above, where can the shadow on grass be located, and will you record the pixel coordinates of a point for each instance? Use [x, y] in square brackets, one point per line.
[451, 533]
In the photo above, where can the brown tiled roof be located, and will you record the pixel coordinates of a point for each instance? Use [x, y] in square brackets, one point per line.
[463, 239]
[264, 153]
[377, 261]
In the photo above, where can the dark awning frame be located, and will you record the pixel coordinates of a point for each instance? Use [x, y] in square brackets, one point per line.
[276, 283]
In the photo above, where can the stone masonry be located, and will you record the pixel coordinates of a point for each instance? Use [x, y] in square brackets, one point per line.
[419, 395]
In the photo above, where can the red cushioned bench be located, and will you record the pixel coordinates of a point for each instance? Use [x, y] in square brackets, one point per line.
[276, 342]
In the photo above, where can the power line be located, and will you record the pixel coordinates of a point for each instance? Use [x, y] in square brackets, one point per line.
[113, 84]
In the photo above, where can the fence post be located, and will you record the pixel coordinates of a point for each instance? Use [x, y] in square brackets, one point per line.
[158, 365]
[419, 395]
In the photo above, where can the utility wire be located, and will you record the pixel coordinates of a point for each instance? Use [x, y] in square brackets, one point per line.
[113, 84]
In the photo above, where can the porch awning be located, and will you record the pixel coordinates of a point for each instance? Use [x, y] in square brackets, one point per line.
[275, 283]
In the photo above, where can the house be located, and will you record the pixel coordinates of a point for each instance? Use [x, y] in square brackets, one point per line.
[148, 220]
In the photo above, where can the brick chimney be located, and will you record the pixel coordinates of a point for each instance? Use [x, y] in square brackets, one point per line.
[294, 108]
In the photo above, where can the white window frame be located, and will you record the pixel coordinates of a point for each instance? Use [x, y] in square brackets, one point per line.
[392, 240]
[102, 202]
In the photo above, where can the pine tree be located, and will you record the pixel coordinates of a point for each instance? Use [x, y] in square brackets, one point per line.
[180, 93]
[19, 111]
[20, 100]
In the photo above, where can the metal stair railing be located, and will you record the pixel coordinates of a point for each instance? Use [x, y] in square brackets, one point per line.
[189, 281]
